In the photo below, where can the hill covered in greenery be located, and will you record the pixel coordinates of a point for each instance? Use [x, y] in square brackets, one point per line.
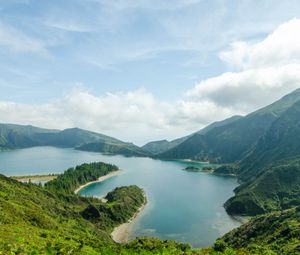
[19, 136]
[273, 233]
[278, 143]
[271, 171]
[276, 188]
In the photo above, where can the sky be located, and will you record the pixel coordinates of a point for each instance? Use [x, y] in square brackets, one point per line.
[143, 70]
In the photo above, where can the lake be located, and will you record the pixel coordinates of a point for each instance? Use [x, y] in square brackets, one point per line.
[182, 206]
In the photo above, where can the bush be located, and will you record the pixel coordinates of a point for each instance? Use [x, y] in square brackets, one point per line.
[220, 245]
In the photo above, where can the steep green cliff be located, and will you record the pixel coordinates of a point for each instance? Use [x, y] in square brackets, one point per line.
[273, 233]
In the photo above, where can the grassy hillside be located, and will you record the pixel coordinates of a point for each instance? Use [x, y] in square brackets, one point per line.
[274, 233]
[36, 221]
[276, 188]
[278, 143]
[271, 171]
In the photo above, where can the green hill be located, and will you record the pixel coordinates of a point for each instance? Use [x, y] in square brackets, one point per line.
[278, 143]
[18, 136]
[72, 137]
[274, 233]
[271, 171]
[276, 188]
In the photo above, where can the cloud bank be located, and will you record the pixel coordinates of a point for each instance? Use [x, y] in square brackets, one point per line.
[264, 71]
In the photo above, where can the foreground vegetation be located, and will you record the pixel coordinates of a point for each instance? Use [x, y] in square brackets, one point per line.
[51, 220]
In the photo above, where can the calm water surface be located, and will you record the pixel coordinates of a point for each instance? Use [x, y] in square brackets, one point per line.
[183, 206]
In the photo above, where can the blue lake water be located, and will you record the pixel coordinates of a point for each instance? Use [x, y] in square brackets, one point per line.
[183, 206]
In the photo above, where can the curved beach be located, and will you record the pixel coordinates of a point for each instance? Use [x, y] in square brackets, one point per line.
[121, 233]
[100, 179]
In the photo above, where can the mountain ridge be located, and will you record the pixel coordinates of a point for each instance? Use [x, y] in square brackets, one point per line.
[13, 136]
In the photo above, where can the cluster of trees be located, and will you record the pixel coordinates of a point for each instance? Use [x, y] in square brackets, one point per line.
[71, 179]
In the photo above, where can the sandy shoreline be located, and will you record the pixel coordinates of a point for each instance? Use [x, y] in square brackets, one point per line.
[100, 179]
[121, 233]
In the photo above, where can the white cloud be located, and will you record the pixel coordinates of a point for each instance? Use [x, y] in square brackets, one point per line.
[267, 70]
[17, 41]
[279, 48]
[248, 90]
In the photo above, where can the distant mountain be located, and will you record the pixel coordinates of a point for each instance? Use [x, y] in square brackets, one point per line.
[19, 136]
[126, 149]
[233, 140]
[158, 147]
[73, 137]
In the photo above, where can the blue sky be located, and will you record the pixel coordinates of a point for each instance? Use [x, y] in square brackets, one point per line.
[155, 51]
